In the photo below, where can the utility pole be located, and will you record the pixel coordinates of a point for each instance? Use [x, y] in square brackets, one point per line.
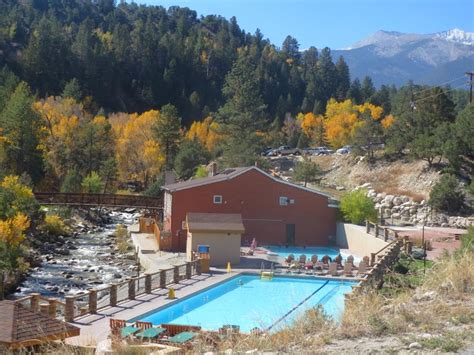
[471, 74]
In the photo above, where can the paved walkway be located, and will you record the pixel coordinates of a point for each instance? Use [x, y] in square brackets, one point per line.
[151, 258]
[442, 239]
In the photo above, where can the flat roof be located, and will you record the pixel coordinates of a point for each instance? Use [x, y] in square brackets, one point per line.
[215, 222]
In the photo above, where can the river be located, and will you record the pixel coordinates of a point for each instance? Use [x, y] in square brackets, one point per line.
[93, 260]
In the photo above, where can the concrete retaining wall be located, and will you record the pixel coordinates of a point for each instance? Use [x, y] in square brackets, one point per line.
[353, 237]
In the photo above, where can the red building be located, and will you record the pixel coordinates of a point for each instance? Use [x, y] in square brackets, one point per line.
[273, 211]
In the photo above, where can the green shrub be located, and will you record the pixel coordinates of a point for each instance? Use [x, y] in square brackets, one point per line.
[92, 183]
[53, 224]
[447, 195]
[357, 207]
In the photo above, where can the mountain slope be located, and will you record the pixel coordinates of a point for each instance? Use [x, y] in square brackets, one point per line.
[395, 58]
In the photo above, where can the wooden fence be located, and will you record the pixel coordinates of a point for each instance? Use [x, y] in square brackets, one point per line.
[93, 300]
[150, 225]
[381, 232]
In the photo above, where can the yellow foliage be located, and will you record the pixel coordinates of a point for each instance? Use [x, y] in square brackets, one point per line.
[344, 118]
[138, 152]
[12, 229]
[206, 132]
[54, 225]
[312, 125]
[375, 111]
[12, 184]
[387, 121]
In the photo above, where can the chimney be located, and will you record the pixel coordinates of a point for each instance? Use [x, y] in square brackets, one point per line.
[212, 168]
[170, 177]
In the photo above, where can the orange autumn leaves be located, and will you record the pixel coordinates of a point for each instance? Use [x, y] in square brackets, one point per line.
[341, 121]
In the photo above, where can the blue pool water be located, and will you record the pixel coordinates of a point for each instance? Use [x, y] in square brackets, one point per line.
[308, 251]
[250, 302]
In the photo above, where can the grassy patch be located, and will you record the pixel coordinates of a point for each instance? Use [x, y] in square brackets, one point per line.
[445, 343]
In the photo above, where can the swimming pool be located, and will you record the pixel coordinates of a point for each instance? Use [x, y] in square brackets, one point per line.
[308, 251]
[250, 302]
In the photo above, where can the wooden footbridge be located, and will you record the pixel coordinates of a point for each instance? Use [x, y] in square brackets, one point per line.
[99, 200]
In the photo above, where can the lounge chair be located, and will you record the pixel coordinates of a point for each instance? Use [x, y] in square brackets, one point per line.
[314, 259]
[338, 260]
[290, 259]
[366, 259]
[350, 260]
[319, 268]
[325, 259]
[116, 325]
[182, 338]
[128, 331]
[302, 260]
[333, 269]
[348, 269]
[362, 270]
[147, 332]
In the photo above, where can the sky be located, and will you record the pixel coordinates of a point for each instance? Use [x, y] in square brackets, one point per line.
[334, 23]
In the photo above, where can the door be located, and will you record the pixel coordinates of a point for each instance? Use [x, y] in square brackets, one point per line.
[290, 234]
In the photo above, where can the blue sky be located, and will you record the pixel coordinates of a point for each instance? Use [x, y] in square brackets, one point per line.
[334, 23]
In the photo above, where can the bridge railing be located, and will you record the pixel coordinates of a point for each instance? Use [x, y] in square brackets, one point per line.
[83, 199]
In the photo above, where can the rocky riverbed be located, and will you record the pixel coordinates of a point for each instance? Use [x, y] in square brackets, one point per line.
[87, 258]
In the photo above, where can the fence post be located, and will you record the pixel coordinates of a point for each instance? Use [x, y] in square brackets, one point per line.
[93, 301]
[131, 289]
[34, 302]
[367, 227]
[52, 307]
[376, 230]
[113, 295]
[176, 274]
[44, 308]
[69, 309]
[162, 278]
[198, 266]
[147, 283]
[372, 259]
[188, 270]
[385, 234]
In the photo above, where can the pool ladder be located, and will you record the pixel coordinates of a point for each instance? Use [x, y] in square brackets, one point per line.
[266, 275]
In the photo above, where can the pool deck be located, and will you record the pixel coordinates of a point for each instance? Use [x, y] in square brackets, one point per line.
[95, 328]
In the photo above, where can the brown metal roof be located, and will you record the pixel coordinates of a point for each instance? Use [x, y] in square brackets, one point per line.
[19, 326]
[231, 173]
[215, 222]
[222, 176]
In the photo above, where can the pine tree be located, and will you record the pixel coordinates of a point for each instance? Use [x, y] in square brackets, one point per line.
[167, 130]
[355, 92]
[241, 118]
[343, 79]
[367, 89]
[21, 127]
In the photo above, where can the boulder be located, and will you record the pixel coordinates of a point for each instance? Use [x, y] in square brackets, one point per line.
[389, 198]
[397, 201]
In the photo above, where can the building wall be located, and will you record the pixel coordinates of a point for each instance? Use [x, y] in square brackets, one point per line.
[256, 197]
[224, 247]
[355, 238]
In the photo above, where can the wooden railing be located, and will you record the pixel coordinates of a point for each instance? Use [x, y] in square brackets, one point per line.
[109, 200]
[381, 232]
[91, 301]
[380, 262]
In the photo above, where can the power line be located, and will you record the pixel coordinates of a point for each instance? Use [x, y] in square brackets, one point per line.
[470, 85]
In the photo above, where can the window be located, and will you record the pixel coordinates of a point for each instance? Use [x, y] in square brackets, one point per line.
[283, 201]
[217, 199]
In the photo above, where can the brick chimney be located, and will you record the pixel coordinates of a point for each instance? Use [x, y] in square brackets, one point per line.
[212, 168]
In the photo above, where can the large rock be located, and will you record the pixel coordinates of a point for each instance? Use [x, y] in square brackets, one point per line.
[389, 198]
[397, 201]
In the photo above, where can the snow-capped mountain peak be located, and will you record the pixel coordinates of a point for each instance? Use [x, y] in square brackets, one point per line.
[457, 35]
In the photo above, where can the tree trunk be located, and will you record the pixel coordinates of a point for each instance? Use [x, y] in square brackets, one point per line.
[2, 286]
